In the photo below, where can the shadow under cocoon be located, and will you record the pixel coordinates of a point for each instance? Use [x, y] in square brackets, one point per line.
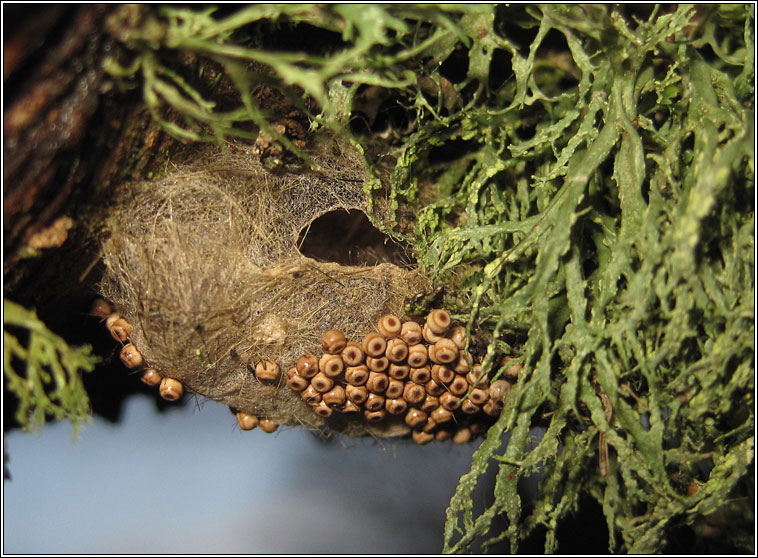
[349, 238]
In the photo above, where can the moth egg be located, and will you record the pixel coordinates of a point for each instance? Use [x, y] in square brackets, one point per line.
[323, 410]
[458, 386]
[433, 388]
[411, 333]
[458, 336]
[374, 402]
[429, 336]
[151, 377]
[422, 437]
[356, 375]
[377, 382]
[377, 364]
[492, 407]
[356, 394]
[462, 436]
[394, 388]
[420, 375]
[121, 330]
[322, 383]
[430, 403]
[442, 435]
[111, 319]
[331, 365]
[171, 389]
[469, 407]
[513, 370]
[449, 401]
[375, 416]
[267, 372]
[438, 321]
[399, 371]
[334, 397]
[352, 354]
[413, 393]
[374, 345]
[101, 308]
[247, 421]
[295, 381]
[498, 389]
[396, 351]
[442, 374]
[479, 396]
[131, 357]
[307, 365]
[389, 326]
[429, 425]
[446, 351]
[441, 415]
[417, 355]
[396, 406]
[350, 407]
[462, 365]
[477, 379]
[333, 341]
[267, 425]
[415, 417]
[310, 395]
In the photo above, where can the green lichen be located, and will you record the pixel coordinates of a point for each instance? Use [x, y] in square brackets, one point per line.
[43, 371]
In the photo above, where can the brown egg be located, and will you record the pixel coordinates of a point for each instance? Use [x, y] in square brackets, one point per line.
[389, 326]
[356, 375]
[413, 393]
[429, 336]
[417, 355]
[462, 436]
[429, 425]
[352, 354]
[477, 427]
[492, 407]
[121, 330]
[479, 396]
[449, 401]
[377, 382]
[469, 408]
[394, 389]
[331, 365]
[458, 386]
[442, 374]
[374, 344]
[267, 372]
[476, 379]
[333, 341]
[295, 381]
[322, 383]
[323, 410]
[399, 371]
[310, 395]
[415, 417]
[151, 377]
[111, 319]
[513, 370]
[433, 388]
[442, 435]
[334, 397]
[374, 402]
[441, 415]
[463, 364]
[438, 321]
[458, 336]
[396, 406]
[498, 389]
[171, 389]
[131, 357]
[267, 425]
[350, 407]
[422, 437]
[445, 351]
[375, 416]
[396, 351]
[377, 364]
[307, 366]
[101, 308]
[247, 421]
[430, 403]
[356, 394]
[411, 333]
[421, 375]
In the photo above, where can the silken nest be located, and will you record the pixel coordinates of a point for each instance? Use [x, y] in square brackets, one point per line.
[205, 263]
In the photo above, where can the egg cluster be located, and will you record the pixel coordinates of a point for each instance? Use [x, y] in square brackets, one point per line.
[422, 375]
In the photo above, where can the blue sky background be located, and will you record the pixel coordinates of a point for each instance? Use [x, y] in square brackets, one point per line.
[190, 481]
